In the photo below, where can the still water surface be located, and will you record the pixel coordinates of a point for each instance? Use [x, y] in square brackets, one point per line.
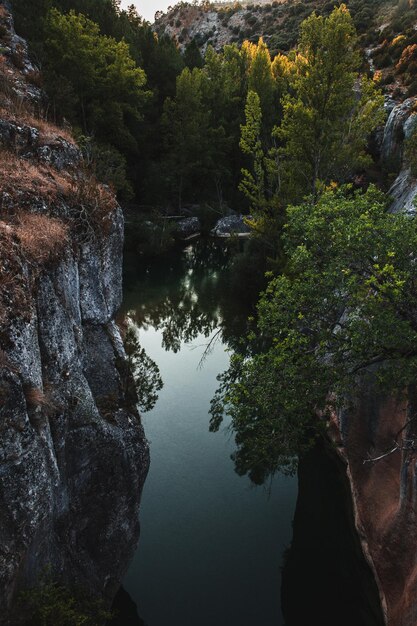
[211, 543]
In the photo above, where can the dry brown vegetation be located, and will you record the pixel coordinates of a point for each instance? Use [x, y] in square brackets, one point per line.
[42, 238]
[24, 183]
[25, 180]
[94, 204]
[49, 132]
[14, 107]
[36, 398]
[13, 287]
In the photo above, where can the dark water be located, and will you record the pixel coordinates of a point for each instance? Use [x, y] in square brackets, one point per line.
[212, 545]
[326, 580]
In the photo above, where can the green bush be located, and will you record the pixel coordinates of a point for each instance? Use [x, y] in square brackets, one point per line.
[52, 603]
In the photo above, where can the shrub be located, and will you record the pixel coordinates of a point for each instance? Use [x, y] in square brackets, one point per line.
[42, 238]
[51, 603]
[408, 60]
[93, 205]
[25, 182]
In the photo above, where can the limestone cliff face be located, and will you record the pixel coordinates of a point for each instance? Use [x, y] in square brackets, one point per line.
[400, 125]
[385, 491]
[73, 456]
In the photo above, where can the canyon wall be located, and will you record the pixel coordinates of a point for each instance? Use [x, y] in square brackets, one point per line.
[385, 489]
[73, 455]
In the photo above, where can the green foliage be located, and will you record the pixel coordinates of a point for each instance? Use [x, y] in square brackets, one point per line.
[108, 164]
[142, 370]
[253, 184]
[261, 80]
[347, 301]
[93, 80]
[192, 56]
[325, 126]
[179, 142]
[185, 125]
[51, 603]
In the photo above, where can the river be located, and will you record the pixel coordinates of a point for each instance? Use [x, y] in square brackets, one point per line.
[212, 545]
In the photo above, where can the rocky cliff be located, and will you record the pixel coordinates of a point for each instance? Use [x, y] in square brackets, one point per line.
[377, 441]
[73, 456]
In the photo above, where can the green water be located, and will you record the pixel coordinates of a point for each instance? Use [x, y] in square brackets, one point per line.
[211, 544]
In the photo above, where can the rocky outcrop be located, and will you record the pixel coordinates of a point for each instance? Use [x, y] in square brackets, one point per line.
[403, 192]
[399, 127]
[376, 441]
[384, 493]
[188, 228]
[222, 23]
[232, 225]
[73, 455]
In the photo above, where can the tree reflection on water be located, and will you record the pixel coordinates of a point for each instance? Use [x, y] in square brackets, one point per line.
[187, 294]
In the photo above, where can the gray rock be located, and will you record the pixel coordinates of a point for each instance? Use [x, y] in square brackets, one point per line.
[403, 193]
[394, 133]
[399, 127]
[231, 225]
[61, 154]
[18, 136]
[188, 227]
[73, 458]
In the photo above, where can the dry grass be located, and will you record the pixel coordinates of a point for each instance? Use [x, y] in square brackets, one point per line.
[14, 295]
[25, 183]
[49, 133]
[36, 398]
[94, 204]
[14, 107]
[20, 177]
[42, 238]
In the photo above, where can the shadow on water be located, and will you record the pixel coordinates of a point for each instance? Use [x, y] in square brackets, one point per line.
[326, 579]
[190, 295]
[125, 611]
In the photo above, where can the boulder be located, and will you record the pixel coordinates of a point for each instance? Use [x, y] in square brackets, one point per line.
[232, 225]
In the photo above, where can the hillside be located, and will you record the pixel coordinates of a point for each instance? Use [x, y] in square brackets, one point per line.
[277, 22]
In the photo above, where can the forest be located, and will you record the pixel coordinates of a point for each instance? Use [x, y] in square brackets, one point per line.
[284, 137]
[281, 124]
[162, 125]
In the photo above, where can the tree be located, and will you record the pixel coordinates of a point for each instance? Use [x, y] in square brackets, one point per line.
[330, 110]
[260, 181]
[348, 301]
[93, 80]
[224, 91]
[185, 122]
[253, 184]
[142, 371]
[261, 81]
[192, 55]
